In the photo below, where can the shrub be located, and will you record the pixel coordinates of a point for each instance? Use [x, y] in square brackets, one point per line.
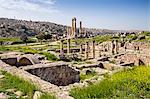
[49, 56]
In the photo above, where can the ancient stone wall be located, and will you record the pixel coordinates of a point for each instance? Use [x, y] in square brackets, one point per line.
[58, 75]
[138, 44]
[137, 59]
[10, 61]
[21, 60]
[44, 86]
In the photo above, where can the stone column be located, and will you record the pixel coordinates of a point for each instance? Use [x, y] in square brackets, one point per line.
[80, 30]
[87, 50]
[125, 47]
[61, 47]
[113, 47]
[116, 47]
[93, 49]
[100, 49]
[74, 27]
[68, 46]
[81, 49]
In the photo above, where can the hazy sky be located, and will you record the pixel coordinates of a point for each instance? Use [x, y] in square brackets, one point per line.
[108, 14]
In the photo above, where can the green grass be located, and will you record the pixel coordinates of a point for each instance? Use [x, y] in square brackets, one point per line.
[49, 56]
[88, 76]
[130, 84]
[146, 33]
[26, 50]
[98, 39]
[10, 82]
[103, 38]
[17, 40]
[47, 96]
[14, 82]
[9, 39]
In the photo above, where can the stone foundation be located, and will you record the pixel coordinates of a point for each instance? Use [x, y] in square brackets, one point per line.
[58, 75]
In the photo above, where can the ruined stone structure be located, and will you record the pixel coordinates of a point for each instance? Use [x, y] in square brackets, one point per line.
[43, 85]
[74, 28]
[113, 47]
[68, 46]
[61, 47]
[11, 61]
[93, 49]
[80, 26]
[58, 75]
[116, 47]
[81, 49]
[81, 32]
[87, 50]
[21, 60]
[25, 60]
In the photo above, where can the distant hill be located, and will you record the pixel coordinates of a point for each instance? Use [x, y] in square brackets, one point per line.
[16, 28]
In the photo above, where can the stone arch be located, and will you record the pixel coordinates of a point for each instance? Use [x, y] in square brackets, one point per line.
[24, 62]
[27, 60]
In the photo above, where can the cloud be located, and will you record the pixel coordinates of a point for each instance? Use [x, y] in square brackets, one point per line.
[29, 5]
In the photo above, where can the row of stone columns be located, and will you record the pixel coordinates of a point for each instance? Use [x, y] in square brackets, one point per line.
[87, 49]
[62, 47]
[115, 48]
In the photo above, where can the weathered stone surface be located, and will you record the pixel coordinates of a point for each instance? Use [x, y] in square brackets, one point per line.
[127, 64]
[98, 64]
[18, 93]
[3, 96]
[103, 59]
[10, 61]
[58, 75]
[43, 85]
[2, 76]
[86, 71]
[20, 60]
[27, 60]
[137, 59]
[100, 71]
[37, 95]
[110, 66]
[11, 90]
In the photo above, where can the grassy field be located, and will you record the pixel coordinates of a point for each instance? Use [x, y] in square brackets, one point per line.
[14, 82]
[18, 40]
[9, 39]
[98, 39]
[127, 84]
[27, 50]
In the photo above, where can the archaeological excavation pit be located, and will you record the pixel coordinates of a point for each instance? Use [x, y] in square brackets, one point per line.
[61, 75]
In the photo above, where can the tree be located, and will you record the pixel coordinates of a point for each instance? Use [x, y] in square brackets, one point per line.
[44, 36]
[40, 37]
[24, 38]
[47, 36]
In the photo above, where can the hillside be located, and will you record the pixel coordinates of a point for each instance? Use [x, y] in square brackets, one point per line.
[16, 28]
